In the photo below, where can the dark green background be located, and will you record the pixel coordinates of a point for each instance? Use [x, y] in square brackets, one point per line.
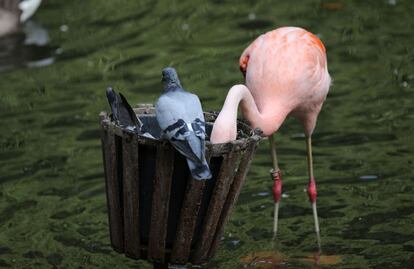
[52, 199]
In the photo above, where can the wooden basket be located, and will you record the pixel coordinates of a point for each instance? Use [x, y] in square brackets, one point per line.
[157, 211]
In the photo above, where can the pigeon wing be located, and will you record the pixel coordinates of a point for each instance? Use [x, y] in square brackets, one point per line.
[170, 117]
[186, 148]
[197, 122]
[112, 100]
[201, 170]
[132, 116]
[124, 116]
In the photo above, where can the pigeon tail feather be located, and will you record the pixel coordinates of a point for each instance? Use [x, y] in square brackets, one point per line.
[199, 171]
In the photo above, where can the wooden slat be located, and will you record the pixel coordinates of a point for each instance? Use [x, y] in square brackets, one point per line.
[131, 196]
[188, 218]
[216, 204]
[234, 192]
[113, 189]
[187, 222]
[160, 202]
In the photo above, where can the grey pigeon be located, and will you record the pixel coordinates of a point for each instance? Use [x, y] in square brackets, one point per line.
[181, 119]
[123, 114]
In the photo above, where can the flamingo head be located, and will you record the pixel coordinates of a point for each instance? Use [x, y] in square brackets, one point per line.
[224, 129]
[243, 64]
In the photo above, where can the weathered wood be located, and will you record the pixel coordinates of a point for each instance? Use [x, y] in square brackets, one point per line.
[113, 182]
[160, 265]
[214, 149]
[192, 233]
[160, 202]
[218, 198]
[234, 192]
[131, 196]
[188, 218]
[144, 109]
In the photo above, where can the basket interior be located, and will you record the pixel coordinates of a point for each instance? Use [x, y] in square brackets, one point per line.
[151, 126]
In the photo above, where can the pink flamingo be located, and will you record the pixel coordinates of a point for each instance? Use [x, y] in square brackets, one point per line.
[286, 74]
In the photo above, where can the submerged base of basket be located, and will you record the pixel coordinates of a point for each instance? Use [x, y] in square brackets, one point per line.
[156, 210]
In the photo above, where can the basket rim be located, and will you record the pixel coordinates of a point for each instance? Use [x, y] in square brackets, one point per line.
[254, 135]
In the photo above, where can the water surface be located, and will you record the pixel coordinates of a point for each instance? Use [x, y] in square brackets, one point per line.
[52, 199]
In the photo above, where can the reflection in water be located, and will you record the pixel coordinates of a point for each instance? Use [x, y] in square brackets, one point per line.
[26, 48]
[275, 259]
[36, 35]
[265, 259]
[321, 260]
[23, 42]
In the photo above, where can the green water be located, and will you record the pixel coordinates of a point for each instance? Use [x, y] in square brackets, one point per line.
[52, 198]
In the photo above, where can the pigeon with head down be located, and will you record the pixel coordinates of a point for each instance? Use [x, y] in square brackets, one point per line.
[181, 118]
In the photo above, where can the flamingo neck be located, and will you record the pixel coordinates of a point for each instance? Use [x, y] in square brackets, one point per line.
[225, 126]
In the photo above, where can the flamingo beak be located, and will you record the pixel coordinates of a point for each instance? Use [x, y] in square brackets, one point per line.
[243, 70]
[243, 64]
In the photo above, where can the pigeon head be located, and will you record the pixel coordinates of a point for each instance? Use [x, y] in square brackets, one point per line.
[170, 78]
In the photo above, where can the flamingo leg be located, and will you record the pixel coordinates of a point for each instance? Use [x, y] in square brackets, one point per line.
[312, 189]
[277, 184]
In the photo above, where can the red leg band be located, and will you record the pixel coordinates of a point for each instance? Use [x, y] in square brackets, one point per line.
[312, 190]
[277, 185]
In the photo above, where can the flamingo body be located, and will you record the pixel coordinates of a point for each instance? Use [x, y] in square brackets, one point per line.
[286, 73]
